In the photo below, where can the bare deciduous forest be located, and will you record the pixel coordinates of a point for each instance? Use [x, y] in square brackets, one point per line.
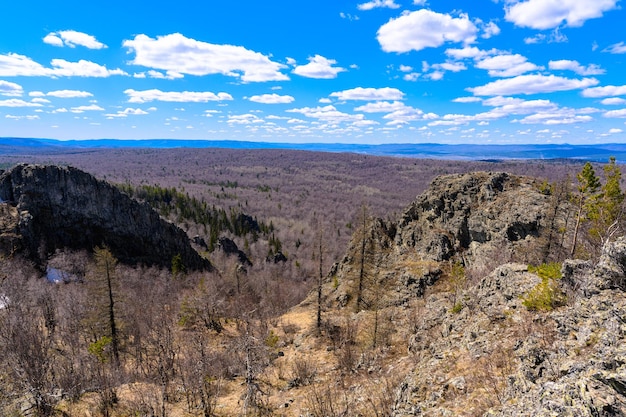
[116, 340]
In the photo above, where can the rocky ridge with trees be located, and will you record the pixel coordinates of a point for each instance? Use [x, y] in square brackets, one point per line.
[62, 207]
[464, 304]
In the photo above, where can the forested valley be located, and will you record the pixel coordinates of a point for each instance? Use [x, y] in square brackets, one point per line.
[251, 336]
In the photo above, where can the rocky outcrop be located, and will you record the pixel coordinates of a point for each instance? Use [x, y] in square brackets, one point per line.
[229, 247]
[480, 219]
[62, 207]
[497, 358]
[458, 213]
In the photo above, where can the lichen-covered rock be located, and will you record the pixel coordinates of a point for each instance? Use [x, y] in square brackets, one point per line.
[63, 207]
[569, 361]
[611, 269]
[459, 210]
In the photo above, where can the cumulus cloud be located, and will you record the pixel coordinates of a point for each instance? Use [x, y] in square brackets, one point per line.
[531, 84]
[414, 31]
[319, 67]
[10, 89]
[272, 99]
[72, 39]
[181, 55]
[490, 30]
[369, 94]
[467, 100]
[467, 52]
[14, 102]
[15, 65]
[327, 114]
[618, 48]
[621, 113]
[381, 107]
[69, 94]
[82, 109]
[390, 4]
[555, 37]
[613, 101]
[175, 96]
[507, 65]
[26, 117]
[542, 14]
[565, 64]
[129, 111]
[606, 91]
[244, 119]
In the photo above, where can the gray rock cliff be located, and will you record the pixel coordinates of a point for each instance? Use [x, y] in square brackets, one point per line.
[49, 207]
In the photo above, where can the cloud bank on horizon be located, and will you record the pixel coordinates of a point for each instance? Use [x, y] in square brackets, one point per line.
[380, 71]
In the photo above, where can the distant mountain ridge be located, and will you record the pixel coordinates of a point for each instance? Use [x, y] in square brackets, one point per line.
[591, 152]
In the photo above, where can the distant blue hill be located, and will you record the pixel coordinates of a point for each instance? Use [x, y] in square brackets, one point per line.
[596, 152]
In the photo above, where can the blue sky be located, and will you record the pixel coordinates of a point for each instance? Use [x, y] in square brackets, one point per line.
[379, 71]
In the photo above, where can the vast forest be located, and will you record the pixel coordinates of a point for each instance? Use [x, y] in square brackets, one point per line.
[99, 337]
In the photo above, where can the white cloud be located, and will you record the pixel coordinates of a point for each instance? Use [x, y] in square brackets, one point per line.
[69, 94]
[507, 65]
[614, 131]
[381, 107]
[179, 54]
[82, 68]
[618, 48]
[499, 101]
[467, 52]
[129, 111]
[328, 114]
[613, 101]
[555, 37]
[606, 91]
[319, 67]
[72, 39]
[244, 119]
[412, 76]
[10, 89]
[531, 84]
[40, 100]
[91, 107]
[450, 66]
[548, 14]
[174, 96]
[325, 100]
[405, 115]
[405, 68]
[272, 99]
[621, 113]
[490, 30]
[378, 3]
[424, 28]
[27, 117]
[565, 64]
[369, 94]
[15, 65]
[14, 102]
[467, 100]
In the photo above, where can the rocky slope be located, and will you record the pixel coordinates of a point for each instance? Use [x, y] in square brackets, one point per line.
[475, 346]
[45, 208]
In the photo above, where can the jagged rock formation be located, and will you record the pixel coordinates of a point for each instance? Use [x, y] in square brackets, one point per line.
[480, 219]
[49, 207]
[229, 247]
[475, 347]
[459, 213]
[498, 359]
